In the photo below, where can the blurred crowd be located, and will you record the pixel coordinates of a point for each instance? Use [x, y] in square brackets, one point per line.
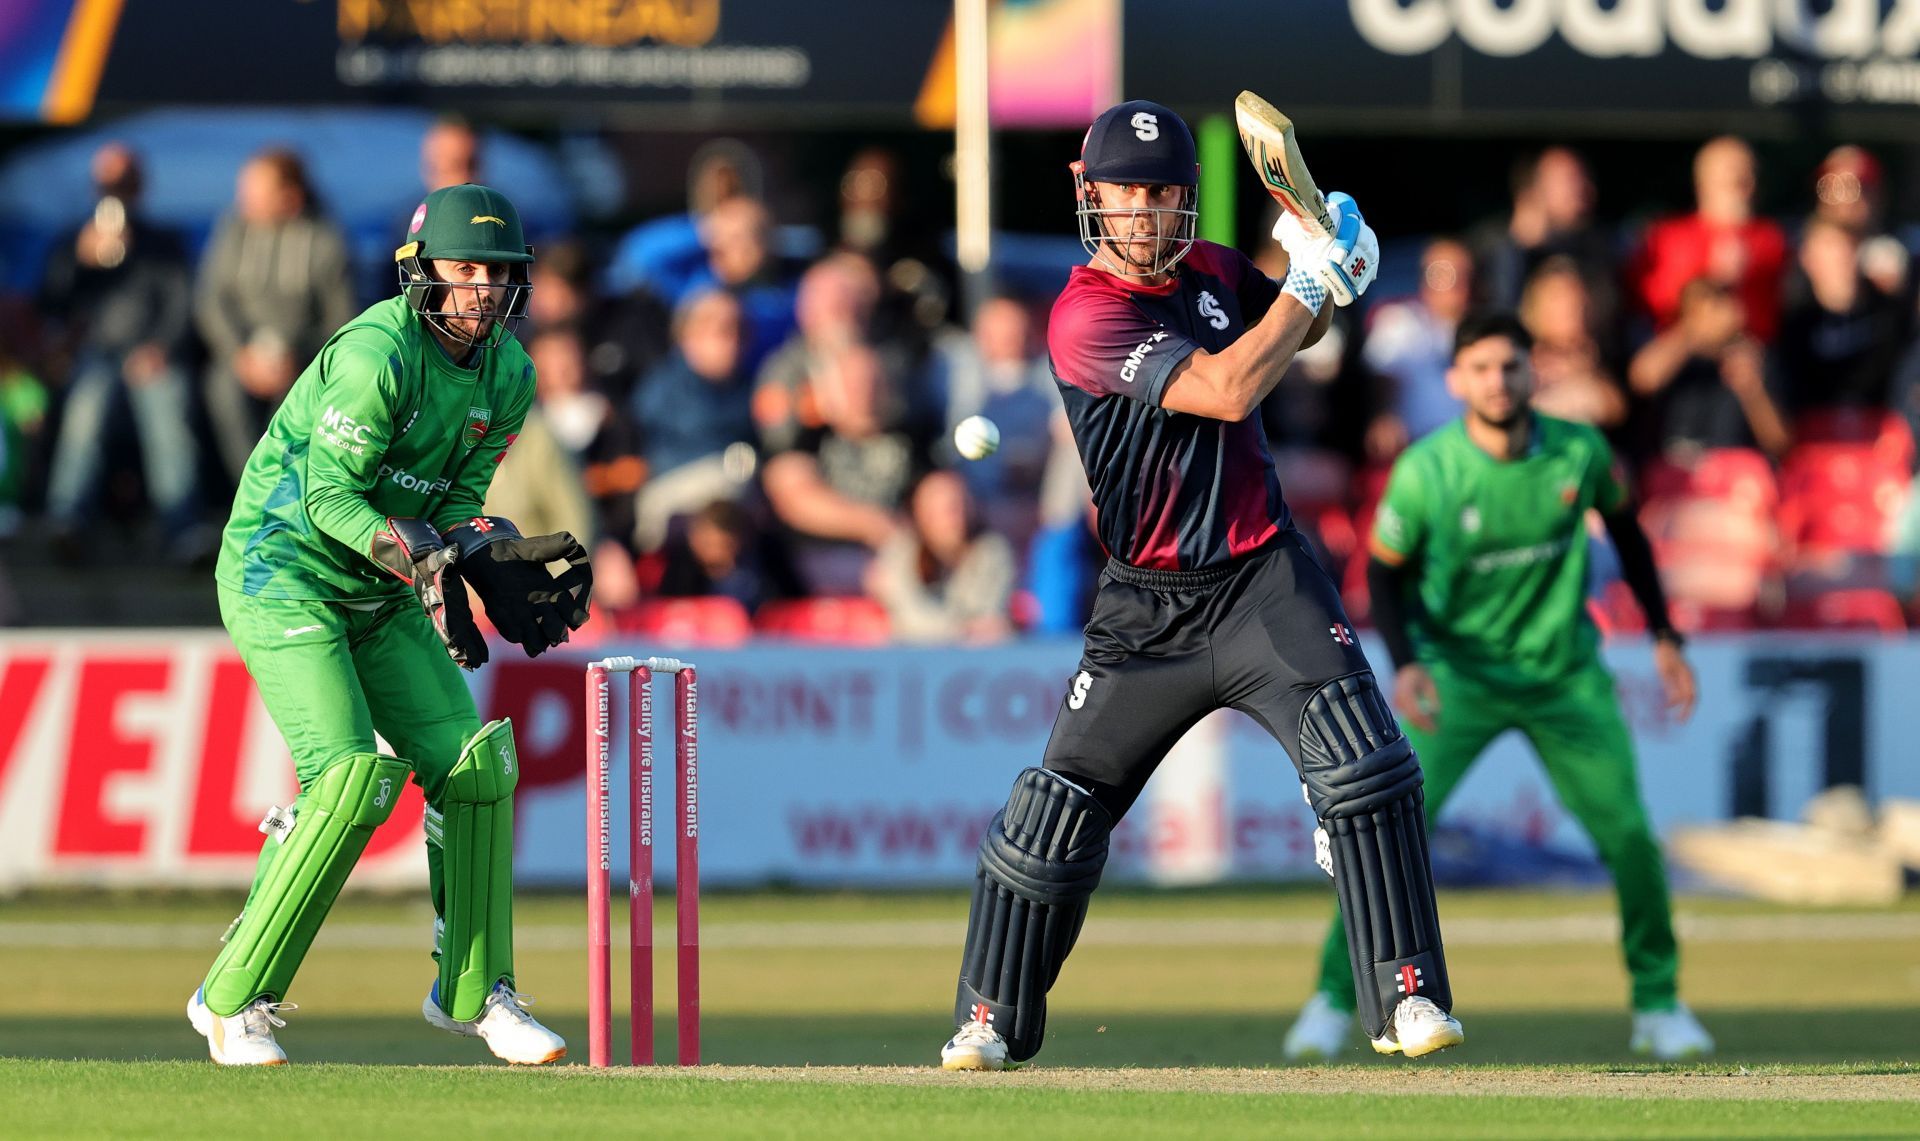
[755, 441]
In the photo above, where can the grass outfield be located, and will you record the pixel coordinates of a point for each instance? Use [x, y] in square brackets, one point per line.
[1189, 991]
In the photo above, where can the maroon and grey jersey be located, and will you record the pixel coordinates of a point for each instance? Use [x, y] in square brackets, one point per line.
[1172, 491]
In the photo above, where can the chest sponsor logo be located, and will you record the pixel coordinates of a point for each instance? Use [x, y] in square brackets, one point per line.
[477, 421]
[1210, 309]
[411, 482]
[344, 432]
[1138, 356]
[1522, 556]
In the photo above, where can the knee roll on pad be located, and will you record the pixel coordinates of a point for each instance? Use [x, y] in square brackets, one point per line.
[1363, 782]
[1039, 863]
[473, 826]
[332, 820]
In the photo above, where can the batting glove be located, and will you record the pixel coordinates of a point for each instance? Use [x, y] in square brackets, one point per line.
[1352, 258]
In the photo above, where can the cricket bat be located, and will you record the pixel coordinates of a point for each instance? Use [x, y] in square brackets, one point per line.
[1268, 138]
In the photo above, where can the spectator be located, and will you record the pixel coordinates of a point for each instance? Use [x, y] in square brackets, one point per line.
[944, 577]
[1552, 218]
[840, 487]
[1410, 345]
[724, 553]
[996, 373]
[622, 337]
[666, 257]
[1572, 380]
[117, 295]
[450, 155]
[695, 414]
[538, 485]
[1838, 344]
[274, 285]
[834, 309]
[594, 431]
[1704, 378]
[1848, 190]
[740, 260]
[1722, 241]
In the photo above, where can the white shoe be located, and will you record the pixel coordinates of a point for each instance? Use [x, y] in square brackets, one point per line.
[1417, 1027]
[1670, 1035]
[243, 1039]
[504, 1025]
[975, 1046]
[1320, 1032]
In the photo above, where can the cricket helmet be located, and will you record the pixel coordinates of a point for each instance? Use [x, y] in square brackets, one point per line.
[465, 223]
[1137, 143]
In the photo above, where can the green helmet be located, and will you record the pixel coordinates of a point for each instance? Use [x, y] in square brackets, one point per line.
[464, 223]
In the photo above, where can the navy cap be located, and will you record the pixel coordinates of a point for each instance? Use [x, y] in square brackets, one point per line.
[1139, 142]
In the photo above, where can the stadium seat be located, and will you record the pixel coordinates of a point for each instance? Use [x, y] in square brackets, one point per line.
[841, 621]
[1857, 609]
[1838, 497]
[1616, 612]
[710, 621]
[1885, 431]
[1709, 555]
[1739, 477]
[1693, 618]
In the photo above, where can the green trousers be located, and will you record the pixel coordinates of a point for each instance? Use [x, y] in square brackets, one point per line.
[331, 676]
[1587, 751]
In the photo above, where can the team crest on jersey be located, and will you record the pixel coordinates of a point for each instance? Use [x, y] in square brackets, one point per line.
[477, 421]
[1470, 519]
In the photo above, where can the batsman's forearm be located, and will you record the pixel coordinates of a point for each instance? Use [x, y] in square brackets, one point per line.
[1247, 371]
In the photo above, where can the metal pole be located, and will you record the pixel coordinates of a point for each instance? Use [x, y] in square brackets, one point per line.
[972, 153]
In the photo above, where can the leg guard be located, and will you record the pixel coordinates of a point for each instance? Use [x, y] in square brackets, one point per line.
[318, 841]
[1039, 863]
[1363, 783]
[473, 825]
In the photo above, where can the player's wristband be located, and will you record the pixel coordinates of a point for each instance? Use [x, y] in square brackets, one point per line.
[1670, 635]
[480, 531]
[1305, 287]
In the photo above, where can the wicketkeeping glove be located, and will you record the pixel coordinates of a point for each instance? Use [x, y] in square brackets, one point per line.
[530, 607]
[416, 554]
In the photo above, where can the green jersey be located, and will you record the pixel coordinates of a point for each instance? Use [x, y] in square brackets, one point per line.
[381, 424]
[1498, 550]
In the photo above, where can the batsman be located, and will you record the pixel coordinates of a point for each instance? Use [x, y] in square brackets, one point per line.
[342, 578]
[1164, 347]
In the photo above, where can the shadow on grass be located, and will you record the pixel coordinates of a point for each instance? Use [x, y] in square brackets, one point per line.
[1745, 1036]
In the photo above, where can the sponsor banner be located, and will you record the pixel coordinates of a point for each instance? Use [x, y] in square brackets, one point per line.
[146, 758]
[1576, 61]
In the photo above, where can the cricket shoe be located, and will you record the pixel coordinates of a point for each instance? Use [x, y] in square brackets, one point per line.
[975, 1046]
[1320, 1033]
[243, 1039]
[504, 1025]
[1670, 1035]
[1418, 1027]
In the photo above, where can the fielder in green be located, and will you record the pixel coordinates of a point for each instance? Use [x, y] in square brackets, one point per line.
[343, 578]
[1478, 577]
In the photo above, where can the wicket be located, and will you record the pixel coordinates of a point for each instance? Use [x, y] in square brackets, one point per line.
[640, 673]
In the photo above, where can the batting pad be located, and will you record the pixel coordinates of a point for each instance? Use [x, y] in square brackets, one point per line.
[1039, 863]
[475, 820]
[1363, 782]
[331, 821]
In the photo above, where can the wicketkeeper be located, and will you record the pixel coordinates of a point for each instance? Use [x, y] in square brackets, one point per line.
[342, 577]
